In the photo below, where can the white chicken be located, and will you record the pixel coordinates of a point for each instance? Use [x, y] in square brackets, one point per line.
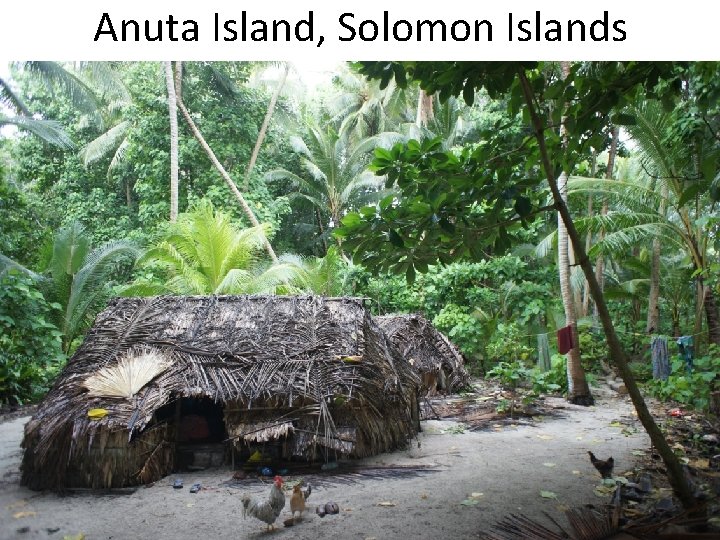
[269, 509]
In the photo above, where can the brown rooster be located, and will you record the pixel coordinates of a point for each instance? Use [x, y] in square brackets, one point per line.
[269, 509]
[604, 466]
[297, 500]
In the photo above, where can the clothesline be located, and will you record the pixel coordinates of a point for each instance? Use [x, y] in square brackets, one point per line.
[627, 333]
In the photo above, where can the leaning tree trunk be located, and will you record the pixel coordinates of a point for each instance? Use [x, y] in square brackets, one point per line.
[675, 471]
[172, 111]
[264, 127]
[578, 389]
[588, 242]
[225, 176]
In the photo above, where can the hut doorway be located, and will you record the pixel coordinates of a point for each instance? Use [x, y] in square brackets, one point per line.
[200, 432]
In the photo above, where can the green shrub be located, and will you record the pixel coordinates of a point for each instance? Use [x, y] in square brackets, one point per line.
[554, 380]
[30, 346]
[690, 388]
[462, 328]
[510, 374]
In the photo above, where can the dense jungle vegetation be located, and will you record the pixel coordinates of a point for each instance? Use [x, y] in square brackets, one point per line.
[424, 187]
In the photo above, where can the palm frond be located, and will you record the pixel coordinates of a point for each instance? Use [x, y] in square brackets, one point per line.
[48, 130]
[547, 245]
[144, 289]
[55, 75]
[128, 377]
[11, 100]
[90, 282]
[109, 142]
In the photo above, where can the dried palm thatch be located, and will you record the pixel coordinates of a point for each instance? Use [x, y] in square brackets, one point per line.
[429, 351]
[317, 372]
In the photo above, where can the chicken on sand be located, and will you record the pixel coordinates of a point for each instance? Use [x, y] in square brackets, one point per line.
[267, 510]
[604, 466]
[297, 500]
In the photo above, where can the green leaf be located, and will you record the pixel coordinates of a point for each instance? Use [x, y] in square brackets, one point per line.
[395, 238]
[548, 495]
[523, 206]
[623, 119]
[410, 274]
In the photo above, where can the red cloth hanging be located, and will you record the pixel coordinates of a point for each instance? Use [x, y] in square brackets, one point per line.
[565, 339]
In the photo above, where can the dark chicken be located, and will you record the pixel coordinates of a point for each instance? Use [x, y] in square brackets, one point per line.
[604, 466]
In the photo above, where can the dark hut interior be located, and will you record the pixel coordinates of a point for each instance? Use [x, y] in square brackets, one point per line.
[163, 383]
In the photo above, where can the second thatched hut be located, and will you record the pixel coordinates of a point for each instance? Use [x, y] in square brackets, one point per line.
[436, 359]
[283, 378]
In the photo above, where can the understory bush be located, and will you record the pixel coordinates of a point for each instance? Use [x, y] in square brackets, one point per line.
[515, 374]
[690, 387]
[30, 346]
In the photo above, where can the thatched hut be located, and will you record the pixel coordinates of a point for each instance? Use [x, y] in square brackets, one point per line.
[275, 378]
[437, 360]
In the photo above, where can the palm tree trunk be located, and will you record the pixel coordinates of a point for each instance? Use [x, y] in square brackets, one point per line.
[675, 471]
[322, 231]
[588, 244]
[225, 176]
[424, 109]
[711, 316]
[653, 316]
[578, 389]
[600, 263]
[264, 126]
[172, 111]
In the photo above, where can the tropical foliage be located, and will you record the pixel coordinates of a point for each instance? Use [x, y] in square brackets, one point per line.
[204, 252]
[435, 179]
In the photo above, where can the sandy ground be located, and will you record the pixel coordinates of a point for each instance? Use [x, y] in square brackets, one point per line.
[505, 467]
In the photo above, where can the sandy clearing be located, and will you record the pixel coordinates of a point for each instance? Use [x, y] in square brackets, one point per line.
[506, 465]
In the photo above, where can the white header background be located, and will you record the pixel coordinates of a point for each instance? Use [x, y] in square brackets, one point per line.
[660, 30]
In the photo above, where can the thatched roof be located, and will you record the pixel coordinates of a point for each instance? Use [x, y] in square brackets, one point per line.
[427, 350]
[284, 357]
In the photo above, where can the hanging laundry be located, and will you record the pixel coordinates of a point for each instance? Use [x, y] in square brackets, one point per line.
[565, 340]
[686, 348]
[660, 357]
[543, 350]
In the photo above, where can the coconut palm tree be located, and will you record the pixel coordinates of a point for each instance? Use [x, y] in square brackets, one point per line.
[204, 252]
[335, 175]
[77, 278]
[362, 109]
[578, 389]
[663, 203]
